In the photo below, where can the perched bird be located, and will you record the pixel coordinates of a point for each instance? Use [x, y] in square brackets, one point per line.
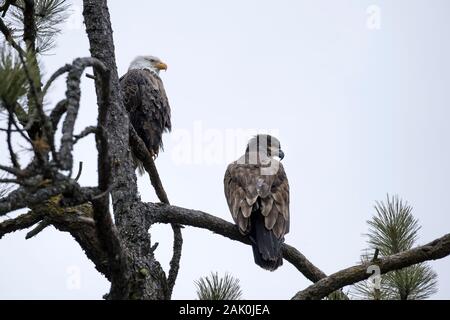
[257, 192]
[146, 102]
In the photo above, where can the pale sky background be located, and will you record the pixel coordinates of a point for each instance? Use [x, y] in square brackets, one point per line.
[360, 113]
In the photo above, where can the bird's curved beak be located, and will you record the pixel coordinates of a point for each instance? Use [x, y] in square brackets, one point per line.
[281, 154]
[161, 66]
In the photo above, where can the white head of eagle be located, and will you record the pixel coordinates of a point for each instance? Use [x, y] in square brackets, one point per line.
[150, 63]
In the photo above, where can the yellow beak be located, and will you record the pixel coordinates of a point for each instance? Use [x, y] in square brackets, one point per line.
[161, 66]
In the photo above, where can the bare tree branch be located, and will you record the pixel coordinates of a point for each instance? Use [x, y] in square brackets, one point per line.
[12, 154]
[12, 171]
[106, 230]
[6, 181]
[434, 250]
[23, 221]
[172, 214]
[57, 113]
[147, 278]
[23, 197]
[176, 257]
[18, 129]
[87, 131]
[73, 94]
[55, 76]
[39, 228]
[141, 151]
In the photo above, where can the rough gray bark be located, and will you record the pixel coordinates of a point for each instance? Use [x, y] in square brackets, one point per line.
[146, 278]
[141, 151]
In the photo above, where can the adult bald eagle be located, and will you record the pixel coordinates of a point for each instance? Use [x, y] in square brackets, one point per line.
[146, 102]
[257, 192]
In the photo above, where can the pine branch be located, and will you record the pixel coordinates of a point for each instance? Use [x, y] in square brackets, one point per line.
[39, 22]
[392, 230]
[217, 288]
[434, 250]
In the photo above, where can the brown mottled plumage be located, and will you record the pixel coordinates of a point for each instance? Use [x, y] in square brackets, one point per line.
[257, 192]
[146, 102]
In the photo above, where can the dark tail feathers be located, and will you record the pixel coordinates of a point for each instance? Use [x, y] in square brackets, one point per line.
[266, 246]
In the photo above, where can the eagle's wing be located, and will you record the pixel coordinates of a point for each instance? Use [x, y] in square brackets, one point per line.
[147, 104]
[248, 192]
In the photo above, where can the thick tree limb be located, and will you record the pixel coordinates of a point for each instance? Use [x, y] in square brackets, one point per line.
[434, 250]
[147, 278]
[172, 214]
[80, 171]
[35, 191]
[106, 230]
[23, 198]
[142, 153]
[23, 221]
[73, 95]
[8, 181]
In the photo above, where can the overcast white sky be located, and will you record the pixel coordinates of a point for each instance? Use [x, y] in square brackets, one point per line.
[360, 112]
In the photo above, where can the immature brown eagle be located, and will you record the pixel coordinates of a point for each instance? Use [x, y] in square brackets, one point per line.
[257, 192]
[146, 102]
